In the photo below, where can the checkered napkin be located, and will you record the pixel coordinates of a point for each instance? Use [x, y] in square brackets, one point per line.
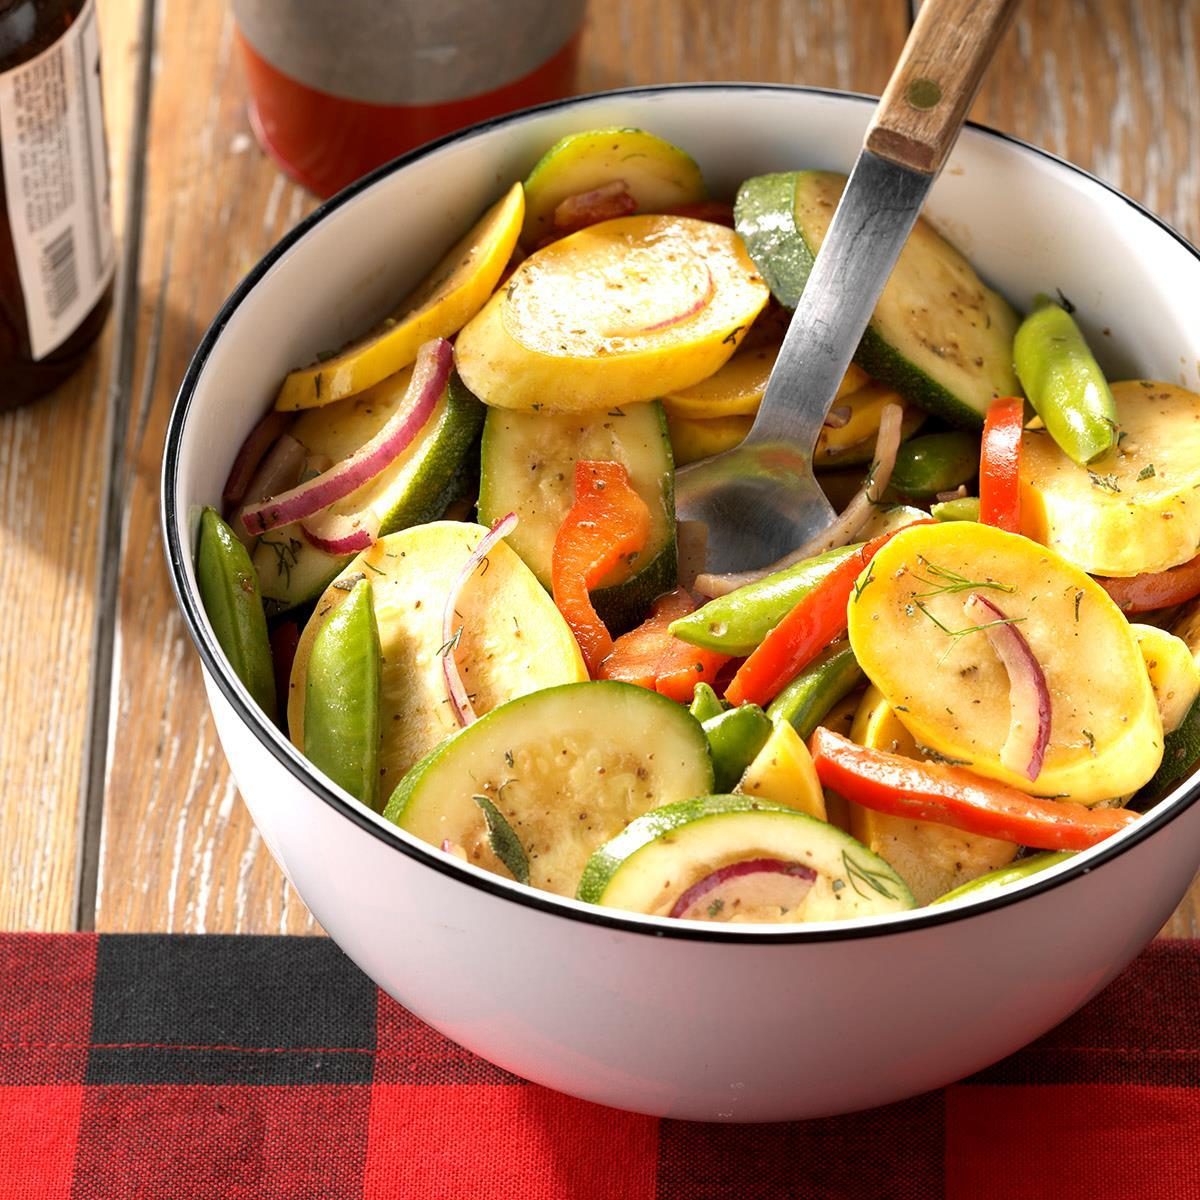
[223, 1068]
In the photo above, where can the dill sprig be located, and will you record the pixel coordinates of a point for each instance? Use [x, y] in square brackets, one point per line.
[875, 880]
[952, 581]
[956, 634]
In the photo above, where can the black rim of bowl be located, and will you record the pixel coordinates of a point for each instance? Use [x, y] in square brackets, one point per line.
[272, 739]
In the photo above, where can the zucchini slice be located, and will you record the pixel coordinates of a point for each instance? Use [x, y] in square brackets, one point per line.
[1137, 509]
[658, 175]
[567, 768]
[416, 487]
[939, 336]
[736, 859]
[619, 312]
[527, 466]
[512, 638]
[932, 858]
[449, 296]
[938, 671]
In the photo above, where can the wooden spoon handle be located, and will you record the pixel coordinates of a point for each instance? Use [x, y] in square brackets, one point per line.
[935, 81]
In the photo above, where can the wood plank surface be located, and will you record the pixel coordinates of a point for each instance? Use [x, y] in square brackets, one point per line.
[1107, 83]
[53, 471]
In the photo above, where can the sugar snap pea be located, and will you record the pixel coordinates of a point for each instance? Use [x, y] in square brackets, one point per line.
[936, 462]
[962, 508]
[1064, 382]
[735, 623]
[341, 699]
[705, 703]
[734, 738]
[809, 697]
[229, 589]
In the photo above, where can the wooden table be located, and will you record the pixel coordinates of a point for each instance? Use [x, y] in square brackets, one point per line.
[116, 808]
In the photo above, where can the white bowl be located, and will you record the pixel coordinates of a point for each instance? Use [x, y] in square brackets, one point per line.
[678, 1018]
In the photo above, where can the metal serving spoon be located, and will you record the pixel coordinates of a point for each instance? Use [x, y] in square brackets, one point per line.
[760, 500]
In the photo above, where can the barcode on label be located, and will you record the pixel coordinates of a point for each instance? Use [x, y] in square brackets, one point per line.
[60, 273]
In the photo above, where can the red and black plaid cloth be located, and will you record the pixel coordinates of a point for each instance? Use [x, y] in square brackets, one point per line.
[223, 1068]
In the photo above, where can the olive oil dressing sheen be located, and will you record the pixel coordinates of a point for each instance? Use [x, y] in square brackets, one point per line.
[56, 244]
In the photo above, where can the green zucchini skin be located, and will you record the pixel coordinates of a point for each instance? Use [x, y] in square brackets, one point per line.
[536, 759]
[767, 214]
[1181, 752]
[682, 840]
[293, 572]
[229, 589]
[995, 881]
[527, 466]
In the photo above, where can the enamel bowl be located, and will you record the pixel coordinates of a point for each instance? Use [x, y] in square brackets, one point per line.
[684, 1019]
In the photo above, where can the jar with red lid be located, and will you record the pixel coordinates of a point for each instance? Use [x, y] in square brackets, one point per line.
[339, 86]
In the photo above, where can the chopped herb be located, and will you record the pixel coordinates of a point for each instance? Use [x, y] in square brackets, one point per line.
[1067, 305]
[323, 356]
[452, 644]
[1107, 483]
[1146, 473]
[287, 554]
[504, 842]
[1078, 600]
[1091, 738]
[838, 884]
[859, 588]
[955, 634]
[900, 707]
[371, 568]
[508, 758]
[875, 880]
[952, 581]
[347, 584]
[616, 412]
[715, 907]
[485, 562]
[732, 335]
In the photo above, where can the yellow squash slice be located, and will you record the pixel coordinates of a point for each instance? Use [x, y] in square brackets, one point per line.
[931, 858]
[1136, 509]
[938, 671]
[449, 296]
[658, 175]
[619, 312]
[736, 390]
[513, 639]
[1173, 672]
[783, 771]
[693, 439]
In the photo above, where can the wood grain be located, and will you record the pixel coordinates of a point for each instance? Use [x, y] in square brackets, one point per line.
[926, 99]
[53, 471]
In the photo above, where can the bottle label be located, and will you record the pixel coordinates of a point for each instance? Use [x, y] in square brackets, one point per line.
[55, 164]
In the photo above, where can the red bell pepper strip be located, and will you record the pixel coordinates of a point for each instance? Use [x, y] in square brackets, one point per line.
[651, 657]
[1000, 465]
[924, 791]
[609, 522]
[1155, 589]
[812, 624]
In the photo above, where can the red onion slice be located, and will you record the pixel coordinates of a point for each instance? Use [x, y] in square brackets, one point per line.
[338, 533]
[763, 882]
[258, 441]
[589, 208]
[460, 701]
[282, 468]
[429, 378]
[1028, 696]
[692, 309]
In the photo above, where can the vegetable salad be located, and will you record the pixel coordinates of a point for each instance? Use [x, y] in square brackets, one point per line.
[448, 563]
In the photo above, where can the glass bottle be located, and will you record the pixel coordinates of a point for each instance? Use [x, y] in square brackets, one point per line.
[56, 246]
